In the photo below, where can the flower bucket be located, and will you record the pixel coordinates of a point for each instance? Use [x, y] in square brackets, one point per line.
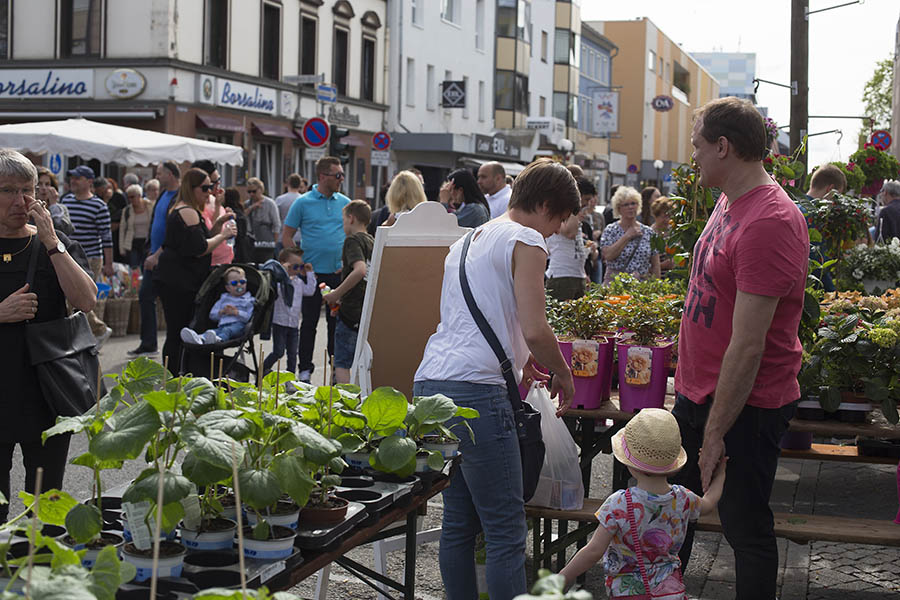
[643, 374]
[593, 378]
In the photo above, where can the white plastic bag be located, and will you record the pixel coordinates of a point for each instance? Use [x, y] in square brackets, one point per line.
[560, 485]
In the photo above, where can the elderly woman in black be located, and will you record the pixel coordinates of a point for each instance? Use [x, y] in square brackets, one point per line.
[61, 274]
[460, 192]
[185, 259]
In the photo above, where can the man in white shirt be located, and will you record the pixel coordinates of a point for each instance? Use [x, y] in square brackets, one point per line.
[492, 181]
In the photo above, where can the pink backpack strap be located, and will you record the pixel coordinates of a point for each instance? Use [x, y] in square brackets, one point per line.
[635, 540]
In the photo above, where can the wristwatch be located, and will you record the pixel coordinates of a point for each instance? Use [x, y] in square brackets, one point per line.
[60, 248]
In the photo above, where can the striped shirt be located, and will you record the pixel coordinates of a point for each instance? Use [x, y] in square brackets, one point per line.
[90, 218]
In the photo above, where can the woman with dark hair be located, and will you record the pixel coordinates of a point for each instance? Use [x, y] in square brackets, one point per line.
[460, 192]
[185, 259]
[243, 241]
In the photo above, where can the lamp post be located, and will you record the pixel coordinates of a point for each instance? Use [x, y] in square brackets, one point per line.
[658, 165]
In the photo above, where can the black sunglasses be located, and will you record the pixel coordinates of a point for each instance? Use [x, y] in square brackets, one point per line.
[339, 175]
[207, 188]
[237, 282]
[296, 267]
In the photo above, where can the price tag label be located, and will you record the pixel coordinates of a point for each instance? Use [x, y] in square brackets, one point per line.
[271, 570]
[136, 516]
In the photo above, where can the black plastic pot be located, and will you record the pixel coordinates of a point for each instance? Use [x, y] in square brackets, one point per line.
[361, 481]
[209, 559]
[20, 550]
[214, 578]
[53, 531]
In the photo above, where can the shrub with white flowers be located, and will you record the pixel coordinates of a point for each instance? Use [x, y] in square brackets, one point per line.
[881, 261]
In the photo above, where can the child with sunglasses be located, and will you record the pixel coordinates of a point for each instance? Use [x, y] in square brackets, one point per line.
[232, 310]
[286, 319]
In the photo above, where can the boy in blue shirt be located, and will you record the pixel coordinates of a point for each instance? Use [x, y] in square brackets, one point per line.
[232, 310]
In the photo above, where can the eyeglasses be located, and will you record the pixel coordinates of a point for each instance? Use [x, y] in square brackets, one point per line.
[339, 175]
[252, 191]
[11, 192]
[207, 188]
[234, 282]
[296, 267]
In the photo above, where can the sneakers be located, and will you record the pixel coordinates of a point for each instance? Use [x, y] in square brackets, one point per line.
[191, 336]
[101, 339]
[209, 337]
[142, 351]
[304, 376]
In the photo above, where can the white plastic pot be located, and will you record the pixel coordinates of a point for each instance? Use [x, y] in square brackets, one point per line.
[169, 566]
[269, 549]
[90, 557]
[208, 540]
[447, 449]
[358, 460]
[288, 520]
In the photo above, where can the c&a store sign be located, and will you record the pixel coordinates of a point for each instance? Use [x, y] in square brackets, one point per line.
[46, 83]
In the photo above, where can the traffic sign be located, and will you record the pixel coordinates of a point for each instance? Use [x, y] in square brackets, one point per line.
[326, 93]
[303, 79]
[381, 140]
[632, 168]
[881, 139]
[315, 153]
[56, 164]
[315, 132]
[380, 158]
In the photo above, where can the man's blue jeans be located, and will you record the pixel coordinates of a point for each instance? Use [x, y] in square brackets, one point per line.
[485, 493]
[752, 446]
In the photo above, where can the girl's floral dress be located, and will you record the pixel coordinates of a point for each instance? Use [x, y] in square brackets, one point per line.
[662, 523]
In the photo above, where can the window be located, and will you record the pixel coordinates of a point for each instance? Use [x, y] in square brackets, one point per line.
[430, 88]
[466, 105]
[4, 29]
[514, 19]
[511, 92]
[271, 46]
[544, 44]
[216, 54]
[561, 106]
[661, 69]
[80, 27]
[481, 101]
[307, 46]
[367, 87]
[542, 102]
[416, 11]
[651, 60]
[410, 82]
[479, 24]
[681, 79]
[566, 51]
[450, 10]
[339, 64]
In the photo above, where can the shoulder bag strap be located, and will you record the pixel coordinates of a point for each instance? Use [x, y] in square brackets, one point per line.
[512, 387]
[633, 251]
[635, 540]
[32, 263]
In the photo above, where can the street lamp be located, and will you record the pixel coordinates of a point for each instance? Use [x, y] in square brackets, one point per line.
[658, 165]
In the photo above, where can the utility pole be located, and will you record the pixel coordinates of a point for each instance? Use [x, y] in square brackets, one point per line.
[799, 73]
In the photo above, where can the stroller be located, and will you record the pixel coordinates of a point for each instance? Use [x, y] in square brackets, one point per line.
[196, 357]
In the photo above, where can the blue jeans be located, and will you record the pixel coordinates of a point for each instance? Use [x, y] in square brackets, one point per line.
[344, 345]
[283, 338]
[485, 493]
[229, 331]
[147, 301]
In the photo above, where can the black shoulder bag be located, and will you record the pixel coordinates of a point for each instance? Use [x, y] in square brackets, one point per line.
[64, 354]
[528, 420]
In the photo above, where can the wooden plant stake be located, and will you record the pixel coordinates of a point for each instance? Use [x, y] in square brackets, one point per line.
[38, 480]
[157, 532]
[212, 364]
[259, 379]
[240, 521]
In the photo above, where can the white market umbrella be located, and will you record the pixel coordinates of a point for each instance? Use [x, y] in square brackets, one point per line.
[113, 143]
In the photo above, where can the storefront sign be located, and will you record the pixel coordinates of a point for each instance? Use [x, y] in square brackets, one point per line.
[206, 89]
[288, 104]
[498, 145]
[606, 112]
[342, 116]
[551, 127]
[246, 96]
[662, 103]
[46, 83]
[125, 83]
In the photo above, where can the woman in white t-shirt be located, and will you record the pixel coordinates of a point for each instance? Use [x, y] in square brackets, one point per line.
[566, 276]
[505, 270]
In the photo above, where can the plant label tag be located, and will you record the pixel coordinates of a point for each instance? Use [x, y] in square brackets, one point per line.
[271, 570]
[585, 355]
[639, 365]
[136, 516]
[192, 515]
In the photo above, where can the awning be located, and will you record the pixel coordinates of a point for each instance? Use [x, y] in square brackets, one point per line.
[270, 130]
[222, 123]
[511, 168]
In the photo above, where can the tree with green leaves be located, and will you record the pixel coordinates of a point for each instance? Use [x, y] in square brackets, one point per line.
[878, 93]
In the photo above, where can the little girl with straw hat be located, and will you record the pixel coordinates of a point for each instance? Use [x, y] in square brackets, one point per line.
[643, 527]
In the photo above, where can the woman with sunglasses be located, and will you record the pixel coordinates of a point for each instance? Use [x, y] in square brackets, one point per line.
[185, 259]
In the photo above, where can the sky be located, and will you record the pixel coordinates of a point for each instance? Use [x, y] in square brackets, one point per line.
[844, 46]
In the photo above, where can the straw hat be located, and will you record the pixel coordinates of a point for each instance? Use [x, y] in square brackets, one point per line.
[650, 442]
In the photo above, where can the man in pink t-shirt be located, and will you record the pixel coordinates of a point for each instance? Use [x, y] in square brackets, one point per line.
[739, 353]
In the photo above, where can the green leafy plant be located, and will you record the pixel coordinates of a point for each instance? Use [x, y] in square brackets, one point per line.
[838, 220]
[876, 165]
[881, 261]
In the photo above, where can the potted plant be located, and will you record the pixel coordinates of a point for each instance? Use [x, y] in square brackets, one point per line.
[876, 165]
[875, 268]
[427, 424]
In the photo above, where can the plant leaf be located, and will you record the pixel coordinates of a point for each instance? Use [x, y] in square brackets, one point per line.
[293, 477]
[435, 460]
[164, 401]
[67, 425]
[350, 442]
[172, 514]
[203, 394]
[394, 452]
[92, 462]
[106, 574]
[231, 422]
[433, 409]
[202, 473]
[213, 446]
[54, 506]
[143, 375]
[129, 431]
[349, 419]
[259, 487]
[84, 522]
[175, 487]
[385, 409]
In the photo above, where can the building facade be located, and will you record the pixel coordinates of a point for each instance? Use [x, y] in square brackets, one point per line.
[593, 145]
[210, 69]
[735, 72]
[661, 86]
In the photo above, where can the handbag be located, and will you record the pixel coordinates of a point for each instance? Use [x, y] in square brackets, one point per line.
[64, 354]
[527, 419]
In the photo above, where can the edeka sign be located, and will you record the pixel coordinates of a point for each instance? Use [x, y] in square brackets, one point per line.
[46, 83]
[246, 96]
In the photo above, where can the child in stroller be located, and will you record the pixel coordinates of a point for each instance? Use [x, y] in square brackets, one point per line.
[232, 311]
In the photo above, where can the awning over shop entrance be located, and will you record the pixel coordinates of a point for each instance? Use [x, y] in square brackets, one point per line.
[270, 130]
[113, 143]
[220, 123]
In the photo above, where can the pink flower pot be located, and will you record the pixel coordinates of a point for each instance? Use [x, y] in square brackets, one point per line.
[591, 391]
[649, 394]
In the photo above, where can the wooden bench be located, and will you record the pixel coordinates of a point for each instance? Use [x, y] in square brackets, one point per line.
[799, 528]
[832, 452]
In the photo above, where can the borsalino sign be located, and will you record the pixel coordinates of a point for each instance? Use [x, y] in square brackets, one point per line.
[46, 83]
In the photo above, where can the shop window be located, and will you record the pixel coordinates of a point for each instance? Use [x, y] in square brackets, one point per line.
[216, 43]
[271, 41]
[81, 26]
[308, 45]
[367, 87]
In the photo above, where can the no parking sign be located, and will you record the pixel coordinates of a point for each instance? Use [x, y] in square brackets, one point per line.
[315, 132]
[881, 139]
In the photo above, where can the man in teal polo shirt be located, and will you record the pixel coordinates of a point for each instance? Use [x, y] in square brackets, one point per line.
[318, 216]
